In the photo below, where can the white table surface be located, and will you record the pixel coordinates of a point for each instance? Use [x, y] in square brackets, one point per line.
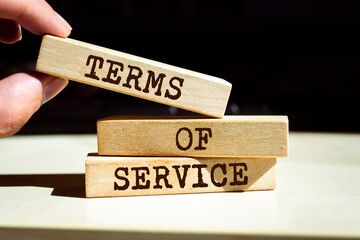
[42, 196]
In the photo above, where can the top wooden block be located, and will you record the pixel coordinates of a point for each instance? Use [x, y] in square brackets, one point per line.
[132, 75]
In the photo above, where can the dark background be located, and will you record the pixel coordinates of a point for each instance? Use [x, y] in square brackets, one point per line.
[295, 58]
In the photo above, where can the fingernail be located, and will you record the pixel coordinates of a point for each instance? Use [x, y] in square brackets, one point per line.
[66, 24]
[20, 34]
[55, 86]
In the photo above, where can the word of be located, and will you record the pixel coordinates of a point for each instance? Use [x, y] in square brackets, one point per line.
[202, 138]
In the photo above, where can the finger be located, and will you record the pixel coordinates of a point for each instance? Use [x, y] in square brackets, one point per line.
[21, 95]
[37, 16]
[10, 31]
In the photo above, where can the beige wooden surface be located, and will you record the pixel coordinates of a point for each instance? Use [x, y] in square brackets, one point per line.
[42, 196]
[231, 136]
[132, 75]
[108, 176]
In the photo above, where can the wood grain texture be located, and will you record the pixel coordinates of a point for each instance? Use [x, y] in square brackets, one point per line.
[128, 176]
[231, 136]
[132, 75]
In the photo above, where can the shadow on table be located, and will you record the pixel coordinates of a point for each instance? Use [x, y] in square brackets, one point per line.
[64, 185]
[48, 233]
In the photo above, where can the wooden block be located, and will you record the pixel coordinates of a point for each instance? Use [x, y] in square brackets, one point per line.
[132, 75]
[125, 176]
[231, 136]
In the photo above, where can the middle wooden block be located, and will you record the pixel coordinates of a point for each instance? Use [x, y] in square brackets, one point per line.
[231, 136]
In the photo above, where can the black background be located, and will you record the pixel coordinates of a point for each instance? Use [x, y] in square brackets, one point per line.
[295, 58]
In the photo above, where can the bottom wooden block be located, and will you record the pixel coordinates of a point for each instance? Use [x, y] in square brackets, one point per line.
[127, 176]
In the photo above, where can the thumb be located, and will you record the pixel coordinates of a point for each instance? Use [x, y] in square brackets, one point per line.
[21, 95]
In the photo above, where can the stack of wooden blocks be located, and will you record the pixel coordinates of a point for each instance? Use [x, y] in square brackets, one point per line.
[148, 155]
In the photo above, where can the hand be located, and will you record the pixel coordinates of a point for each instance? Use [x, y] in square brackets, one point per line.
[22, 94]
